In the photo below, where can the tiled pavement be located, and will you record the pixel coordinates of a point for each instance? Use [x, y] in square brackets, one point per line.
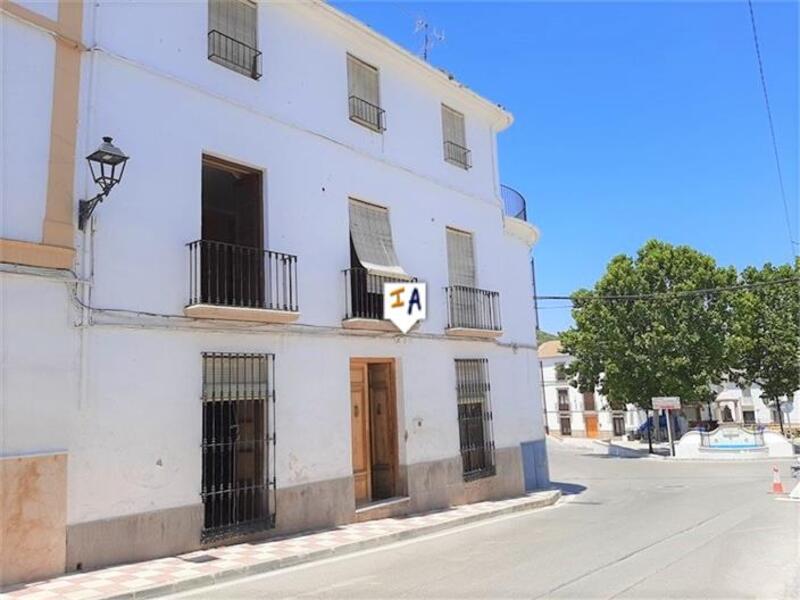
[205, 567]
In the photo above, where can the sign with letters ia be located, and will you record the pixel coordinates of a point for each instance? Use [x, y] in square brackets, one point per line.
[404, 303]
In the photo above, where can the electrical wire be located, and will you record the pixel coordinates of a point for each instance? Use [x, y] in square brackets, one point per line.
[786, 216]
[678, 293]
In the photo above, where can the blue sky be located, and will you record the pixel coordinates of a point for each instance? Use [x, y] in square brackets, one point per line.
[634, 120]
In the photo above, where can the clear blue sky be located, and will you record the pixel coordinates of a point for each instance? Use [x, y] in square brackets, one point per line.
[634, 120]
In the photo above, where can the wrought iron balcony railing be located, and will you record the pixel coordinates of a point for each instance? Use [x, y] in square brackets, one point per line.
[367, 114]
[458, 155]
[472, 308]
[234, 54]
[514, 204]
[364, 293]
[223, 274]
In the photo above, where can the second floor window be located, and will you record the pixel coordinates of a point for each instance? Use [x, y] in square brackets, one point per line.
[455, 138]
[563, 399]
[588, 401]
[460, 258]
[363, 92]
[233, 36]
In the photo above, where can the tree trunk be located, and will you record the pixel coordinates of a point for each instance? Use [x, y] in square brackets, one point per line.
[780, 414]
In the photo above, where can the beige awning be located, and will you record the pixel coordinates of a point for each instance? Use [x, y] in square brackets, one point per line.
[372, 239]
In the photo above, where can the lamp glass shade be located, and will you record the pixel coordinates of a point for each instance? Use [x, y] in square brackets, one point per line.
[107, 164]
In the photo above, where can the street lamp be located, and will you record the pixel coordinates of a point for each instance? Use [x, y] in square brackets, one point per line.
[107, 165]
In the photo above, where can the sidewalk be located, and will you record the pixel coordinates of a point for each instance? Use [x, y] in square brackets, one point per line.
[206, 567]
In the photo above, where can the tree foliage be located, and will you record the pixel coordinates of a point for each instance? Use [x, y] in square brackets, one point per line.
[671, 344]
[765, 332]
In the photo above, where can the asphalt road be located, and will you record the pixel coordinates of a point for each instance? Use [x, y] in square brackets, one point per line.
[628, 528]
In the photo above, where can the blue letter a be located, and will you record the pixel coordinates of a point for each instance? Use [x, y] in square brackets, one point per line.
[414, 300]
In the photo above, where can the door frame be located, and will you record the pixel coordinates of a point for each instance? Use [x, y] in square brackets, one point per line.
[364, 362]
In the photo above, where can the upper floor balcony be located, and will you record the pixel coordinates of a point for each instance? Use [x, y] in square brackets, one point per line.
[515, 211]
[241, 283]
[472, 312]
[363, 292]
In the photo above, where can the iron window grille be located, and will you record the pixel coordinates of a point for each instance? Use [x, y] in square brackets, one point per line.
[458, 155]
[225, 274]
[367, 114]
[472, 308]
[234, 54]
[238, 447]
[475, 418]
[618, 423]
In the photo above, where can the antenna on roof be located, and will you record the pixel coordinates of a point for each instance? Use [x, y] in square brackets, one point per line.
[430, 36]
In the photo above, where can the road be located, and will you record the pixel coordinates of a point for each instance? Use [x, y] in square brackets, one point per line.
[627, 528]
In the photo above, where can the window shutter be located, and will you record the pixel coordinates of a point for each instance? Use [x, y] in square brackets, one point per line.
[371, 234]
[235, 18]
[453, 128]
[460, 258]
[362, 80]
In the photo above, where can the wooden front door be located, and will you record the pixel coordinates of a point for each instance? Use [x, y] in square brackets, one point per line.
[359, 426]
[374, 430]
[591, 425]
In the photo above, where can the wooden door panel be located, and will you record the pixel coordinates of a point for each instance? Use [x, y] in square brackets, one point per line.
[359, 427]
[591, 425]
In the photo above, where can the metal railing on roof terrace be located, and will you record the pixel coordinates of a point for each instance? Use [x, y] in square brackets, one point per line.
[513, 203]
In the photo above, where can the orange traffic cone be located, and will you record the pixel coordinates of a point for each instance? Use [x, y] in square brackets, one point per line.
[777, 486]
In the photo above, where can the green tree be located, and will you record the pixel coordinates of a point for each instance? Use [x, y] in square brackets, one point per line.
[670, 343]
[765, 332]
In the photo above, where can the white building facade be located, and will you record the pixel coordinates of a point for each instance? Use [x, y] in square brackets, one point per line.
[208, 358]
[571, 413]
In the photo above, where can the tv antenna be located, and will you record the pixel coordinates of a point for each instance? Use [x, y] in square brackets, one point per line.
[430, 36]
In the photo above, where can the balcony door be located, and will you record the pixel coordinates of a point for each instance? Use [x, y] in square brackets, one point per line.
[232, 255]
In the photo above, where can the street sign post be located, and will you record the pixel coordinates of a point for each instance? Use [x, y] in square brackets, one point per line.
[667, 404]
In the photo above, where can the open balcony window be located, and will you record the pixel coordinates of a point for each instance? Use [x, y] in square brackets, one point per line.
[373, 261]
[455, 138]
[231, 274]
[233, 36]
[364, 100]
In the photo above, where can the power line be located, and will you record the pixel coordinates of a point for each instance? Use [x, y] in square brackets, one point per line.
[699, 292]
[772, 129]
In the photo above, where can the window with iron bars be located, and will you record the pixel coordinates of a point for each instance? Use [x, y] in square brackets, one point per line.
[233, 36]
[475, 418]
[238, 448]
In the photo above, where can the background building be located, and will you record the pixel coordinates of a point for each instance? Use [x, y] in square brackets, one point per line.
[570, 412]
[208, 358]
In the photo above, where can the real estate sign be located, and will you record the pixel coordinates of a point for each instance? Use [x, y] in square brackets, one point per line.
[666, 403]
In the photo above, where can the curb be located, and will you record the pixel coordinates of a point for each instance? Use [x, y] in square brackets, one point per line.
[343, 550]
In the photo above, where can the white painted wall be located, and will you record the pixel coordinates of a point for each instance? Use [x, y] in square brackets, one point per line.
[134, 435]
[27, 58]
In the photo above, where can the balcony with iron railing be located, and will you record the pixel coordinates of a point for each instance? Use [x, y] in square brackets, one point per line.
[234, 54]
[473, 312]
[363, 294]
[457, 155]
[367, 114]
[241, 283]
[515, 212]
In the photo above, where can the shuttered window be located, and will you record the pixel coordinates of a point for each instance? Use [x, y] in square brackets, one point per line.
[371, 234]
[364, 94]
[455, 138]
[233, 35]
[460, 258]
